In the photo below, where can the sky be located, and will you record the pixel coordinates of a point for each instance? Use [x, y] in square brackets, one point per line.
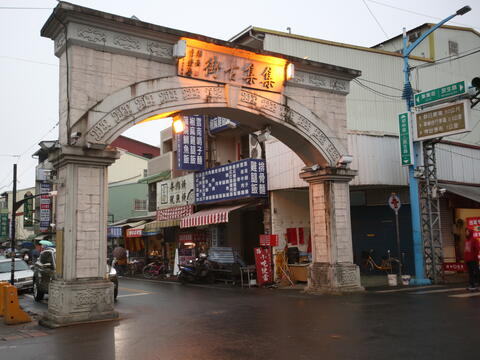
[29, 70]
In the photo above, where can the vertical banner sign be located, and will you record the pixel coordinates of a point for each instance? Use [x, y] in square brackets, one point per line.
[263, 264]
[4, 224]
[191, 144]
[406, 145]
[28, 211]
[45, 206]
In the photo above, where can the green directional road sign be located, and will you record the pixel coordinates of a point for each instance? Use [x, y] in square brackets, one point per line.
[440, 93]
[4, 224]
[406, 145]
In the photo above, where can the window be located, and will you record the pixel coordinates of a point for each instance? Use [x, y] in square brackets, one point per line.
[452, 47]
[139, 205]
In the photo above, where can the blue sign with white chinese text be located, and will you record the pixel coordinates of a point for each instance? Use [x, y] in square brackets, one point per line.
[218, 124]
[114, 231]
[191, 144]
[244, 178]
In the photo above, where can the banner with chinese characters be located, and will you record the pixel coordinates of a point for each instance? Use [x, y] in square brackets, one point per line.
[45, 206]
[4, 228]
[241, 179]
[263, 264]
[191, 144]
[114, 231]
[28, 211]
[134, 233]
[175, 192]
[232, 66]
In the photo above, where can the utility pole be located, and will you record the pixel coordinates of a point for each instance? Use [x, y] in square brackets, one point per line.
[12, 233]
[418, 246]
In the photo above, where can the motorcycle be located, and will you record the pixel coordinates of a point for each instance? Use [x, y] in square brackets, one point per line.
[196, 271]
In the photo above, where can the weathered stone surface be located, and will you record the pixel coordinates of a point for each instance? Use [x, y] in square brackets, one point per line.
[79, 301]
[333, 278]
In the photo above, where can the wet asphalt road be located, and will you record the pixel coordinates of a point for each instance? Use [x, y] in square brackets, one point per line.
[169, 321]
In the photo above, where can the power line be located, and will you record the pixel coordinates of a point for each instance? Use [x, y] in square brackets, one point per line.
[444, 60]
[376, 20]
[379, 93]
[23, 153]
[24, 8]
[415, 13]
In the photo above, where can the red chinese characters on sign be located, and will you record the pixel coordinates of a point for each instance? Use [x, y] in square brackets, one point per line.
[473, 223]
[268, 240]
[134, 233]
[460, 267]
[263, 264]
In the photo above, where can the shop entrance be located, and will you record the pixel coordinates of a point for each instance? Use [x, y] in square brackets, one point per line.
[117, 72]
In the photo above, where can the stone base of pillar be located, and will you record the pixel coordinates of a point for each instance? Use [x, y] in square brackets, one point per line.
[325, 278]
[79, 301]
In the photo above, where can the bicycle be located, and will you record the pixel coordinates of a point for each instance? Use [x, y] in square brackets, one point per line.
[369, 264]
[156, 269]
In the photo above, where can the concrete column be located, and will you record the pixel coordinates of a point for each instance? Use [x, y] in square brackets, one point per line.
[332, 269]
[81, 290]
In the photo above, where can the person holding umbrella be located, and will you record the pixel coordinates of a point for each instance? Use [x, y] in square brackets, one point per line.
[120, 257]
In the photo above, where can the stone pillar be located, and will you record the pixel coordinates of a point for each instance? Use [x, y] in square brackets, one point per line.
[81, 291]
[332, 269]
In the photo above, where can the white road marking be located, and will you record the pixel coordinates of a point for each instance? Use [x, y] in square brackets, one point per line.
[30, 296]
[137, 294]
[408, 289]
[437, 291]
[470, 294]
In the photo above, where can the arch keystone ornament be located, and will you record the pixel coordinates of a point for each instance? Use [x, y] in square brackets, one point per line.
[120, 72]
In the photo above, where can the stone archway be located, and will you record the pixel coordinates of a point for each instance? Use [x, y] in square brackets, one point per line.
[94, 114]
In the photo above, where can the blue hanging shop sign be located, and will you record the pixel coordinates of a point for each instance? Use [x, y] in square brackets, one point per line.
[191, 144]
[241, 179]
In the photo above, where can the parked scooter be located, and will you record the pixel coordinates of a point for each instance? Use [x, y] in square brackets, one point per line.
[196, 271]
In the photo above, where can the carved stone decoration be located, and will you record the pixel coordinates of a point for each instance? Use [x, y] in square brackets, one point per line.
[158, 49]
[91, 34]
[79, 301]
[127, 42]
[320, 82]
[59, 42]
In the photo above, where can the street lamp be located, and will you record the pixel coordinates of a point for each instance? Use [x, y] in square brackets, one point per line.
[413, 183]
[15, 206]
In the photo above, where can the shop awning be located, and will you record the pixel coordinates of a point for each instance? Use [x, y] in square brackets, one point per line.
[155, 226]
[133, 224]
[156, 177]
[41, 237]
[209, 216]
[466, 191]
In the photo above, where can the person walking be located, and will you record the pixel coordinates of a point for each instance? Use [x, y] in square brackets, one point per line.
[120, 256]
[470, 256]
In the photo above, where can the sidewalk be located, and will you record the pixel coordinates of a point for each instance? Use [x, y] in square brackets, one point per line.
[22, 331]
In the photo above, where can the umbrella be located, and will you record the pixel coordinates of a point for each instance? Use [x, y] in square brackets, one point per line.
[119, 252]
[46, 243]
[27, 244]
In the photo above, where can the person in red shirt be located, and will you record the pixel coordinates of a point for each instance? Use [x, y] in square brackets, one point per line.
[470, 256]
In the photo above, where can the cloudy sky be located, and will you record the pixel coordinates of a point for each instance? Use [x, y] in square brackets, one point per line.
[29, 70]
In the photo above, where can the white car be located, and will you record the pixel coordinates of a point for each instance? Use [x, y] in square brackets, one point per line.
[23, 275]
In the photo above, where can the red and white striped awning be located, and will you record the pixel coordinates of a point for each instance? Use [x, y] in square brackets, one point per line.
[209, 216]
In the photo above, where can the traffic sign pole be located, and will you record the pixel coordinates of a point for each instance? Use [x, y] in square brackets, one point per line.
[395, 204]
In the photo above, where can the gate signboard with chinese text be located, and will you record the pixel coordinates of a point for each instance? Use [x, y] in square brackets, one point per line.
[263, 264]
[232, 66]
[442, 120]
